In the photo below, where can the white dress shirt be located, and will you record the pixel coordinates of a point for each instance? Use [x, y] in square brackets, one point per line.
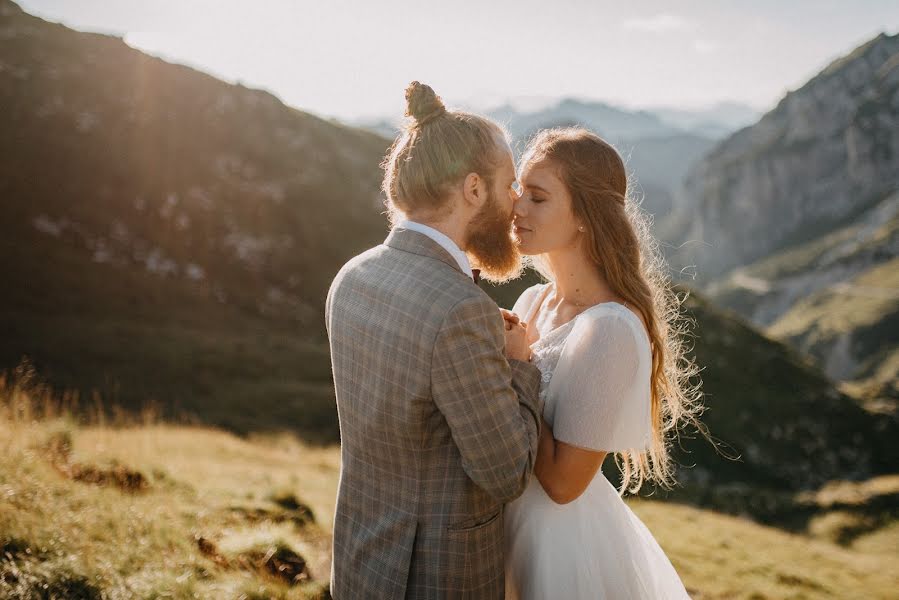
[448, 244]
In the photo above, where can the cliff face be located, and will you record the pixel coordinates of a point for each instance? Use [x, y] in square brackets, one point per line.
[794, 222]
[826, 153]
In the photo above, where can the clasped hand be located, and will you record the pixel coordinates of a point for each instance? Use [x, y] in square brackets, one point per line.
[516, 337]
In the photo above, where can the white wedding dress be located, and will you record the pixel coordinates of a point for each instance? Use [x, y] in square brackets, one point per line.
[595, 387]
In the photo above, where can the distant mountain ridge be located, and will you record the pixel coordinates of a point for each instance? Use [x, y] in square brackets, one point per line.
[717, 121]
[713, 122]
[658, 145]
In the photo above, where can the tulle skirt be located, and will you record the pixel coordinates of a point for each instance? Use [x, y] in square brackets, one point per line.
[594, 547]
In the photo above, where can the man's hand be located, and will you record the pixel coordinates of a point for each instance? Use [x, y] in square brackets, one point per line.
[516, 342]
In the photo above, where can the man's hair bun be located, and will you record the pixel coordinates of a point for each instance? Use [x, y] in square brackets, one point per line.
[422, 104]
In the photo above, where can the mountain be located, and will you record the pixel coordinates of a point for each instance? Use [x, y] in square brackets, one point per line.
[168, 236]
[657, 154]
[835, 298]
[608, 121]
[615, 123]
[526, 115]
[717, 121]
[827, 153]
[657, 167]
[794, 221]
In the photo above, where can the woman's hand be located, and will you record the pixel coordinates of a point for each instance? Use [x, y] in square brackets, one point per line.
[510, 318]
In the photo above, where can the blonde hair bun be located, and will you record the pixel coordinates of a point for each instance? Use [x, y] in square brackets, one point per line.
[422, 104]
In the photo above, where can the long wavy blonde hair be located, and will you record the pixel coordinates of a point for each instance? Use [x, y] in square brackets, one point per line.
[621, 246]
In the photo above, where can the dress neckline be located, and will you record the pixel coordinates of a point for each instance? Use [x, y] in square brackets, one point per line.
[570, 321]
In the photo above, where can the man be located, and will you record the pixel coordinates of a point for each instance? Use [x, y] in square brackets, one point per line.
[438, 428]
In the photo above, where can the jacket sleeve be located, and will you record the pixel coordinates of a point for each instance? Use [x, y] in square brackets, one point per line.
[492, 405]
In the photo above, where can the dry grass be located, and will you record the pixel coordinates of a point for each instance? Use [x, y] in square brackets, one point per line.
[200, 483]
[219, 514]
[720, 556]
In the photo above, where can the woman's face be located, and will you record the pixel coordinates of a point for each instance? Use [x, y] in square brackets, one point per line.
[543, 217]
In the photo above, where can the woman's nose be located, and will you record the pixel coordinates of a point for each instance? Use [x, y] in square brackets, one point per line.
[518, 207]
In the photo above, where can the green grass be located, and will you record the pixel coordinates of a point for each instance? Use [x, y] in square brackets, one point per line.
[864, 310]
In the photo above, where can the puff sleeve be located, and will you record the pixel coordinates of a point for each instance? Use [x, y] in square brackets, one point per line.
[601, 384]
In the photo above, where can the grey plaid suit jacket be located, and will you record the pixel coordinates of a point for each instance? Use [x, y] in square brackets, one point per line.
[438, 430]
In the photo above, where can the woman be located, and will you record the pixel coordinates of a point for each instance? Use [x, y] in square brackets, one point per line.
[614, 378]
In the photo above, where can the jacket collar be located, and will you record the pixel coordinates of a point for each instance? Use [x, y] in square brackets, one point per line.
[418, 243]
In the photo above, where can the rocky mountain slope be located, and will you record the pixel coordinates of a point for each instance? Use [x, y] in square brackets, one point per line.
[836, 298]
[793, 222]
[826, 154]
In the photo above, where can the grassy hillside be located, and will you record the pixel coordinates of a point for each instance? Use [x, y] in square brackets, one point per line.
[161, 512]
[149, 510]
[168, 237]
[134, 339]
[854, 325]
[835, 299]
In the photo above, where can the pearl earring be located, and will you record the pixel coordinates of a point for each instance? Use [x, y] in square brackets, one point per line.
[581, 228]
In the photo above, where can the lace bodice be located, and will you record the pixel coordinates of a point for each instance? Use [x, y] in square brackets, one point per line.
[545, 354]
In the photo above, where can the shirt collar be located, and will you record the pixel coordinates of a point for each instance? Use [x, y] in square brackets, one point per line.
[448, 244]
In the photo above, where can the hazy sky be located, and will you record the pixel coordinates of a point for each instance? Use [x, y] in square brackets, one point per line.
[352, 59]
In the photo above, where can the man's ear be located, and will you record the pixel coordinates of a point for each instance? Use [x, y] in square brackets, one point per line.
[474, 190]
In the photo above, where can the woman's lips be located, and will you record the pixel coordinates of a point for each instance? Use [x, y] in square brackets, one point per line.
[519, 229]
